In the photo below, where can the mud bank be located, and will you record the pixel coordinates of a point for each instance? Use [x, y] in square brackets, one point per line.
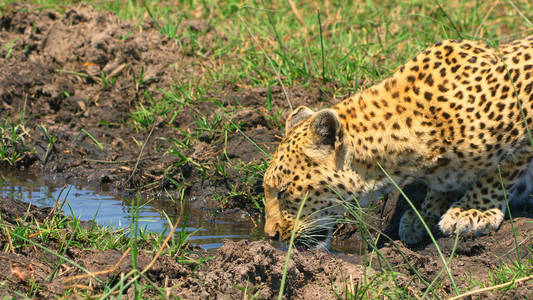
[256, 268]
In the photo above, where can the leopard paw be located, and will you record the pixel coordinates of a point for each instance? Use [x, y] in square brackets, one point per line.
[473, 221]
[411, 230]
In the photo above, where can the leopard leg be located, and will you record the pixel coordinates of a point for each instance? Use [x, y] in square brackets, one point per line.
[482, 208]
[435, 204]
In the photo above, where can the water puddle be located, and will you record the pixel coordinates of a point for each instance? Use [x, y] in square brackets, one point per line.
[111, 210]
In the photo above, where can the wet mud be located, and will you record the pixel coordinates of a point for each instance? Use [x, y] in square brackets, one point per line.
[84, 75]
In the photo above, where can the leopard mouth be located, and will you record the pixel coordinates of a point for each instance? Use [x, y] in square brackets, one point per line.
[315, 239]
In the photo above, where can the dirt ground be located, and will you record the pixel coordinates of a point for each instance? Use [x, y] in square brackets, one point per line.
[54, 74]
[256, 268]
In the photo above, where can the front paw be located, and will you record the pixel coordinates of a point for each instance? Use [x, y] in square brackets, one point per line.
[411, 230]
[473, 221]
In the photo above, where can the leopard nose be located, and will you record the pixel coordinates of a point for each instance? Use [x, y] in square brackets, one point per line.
[272, 228]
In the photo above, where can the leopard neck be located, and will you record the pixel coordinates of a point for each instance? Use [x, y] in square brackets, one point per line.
[381, 126]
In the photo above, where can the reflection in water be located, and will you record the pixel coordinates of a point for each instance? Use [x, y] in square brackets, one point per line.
[111, 210]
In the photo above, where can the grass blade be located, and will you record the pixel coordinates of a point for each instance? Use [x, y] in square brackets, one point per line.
[291, 243]
[425, 226]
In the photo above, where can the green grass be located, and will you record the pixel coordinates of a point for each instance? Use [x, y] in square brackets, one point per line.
[13, 146]
[339, 47]
[352, 44]
[55, 238]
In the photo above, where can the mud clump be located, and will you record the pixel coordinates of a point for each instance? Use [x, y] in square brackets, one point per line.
[245, 269]
[76, 73]
[259, 267]
[236, 267]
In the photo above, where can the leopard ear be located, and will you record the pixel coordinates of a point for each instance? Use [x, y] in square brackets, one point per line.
[326, 128]
[299, 114]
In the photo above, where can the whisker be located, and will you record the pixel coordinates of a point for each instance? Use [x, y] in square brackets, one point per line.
[320, 223]
[316, 231]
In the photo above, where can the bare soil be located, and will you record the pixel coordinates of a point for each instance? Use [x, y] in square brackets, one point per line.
[256, 268]
[54, 74]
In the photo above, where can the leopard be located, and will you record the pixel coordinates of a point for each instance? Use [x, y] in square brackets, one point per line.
[456, 117]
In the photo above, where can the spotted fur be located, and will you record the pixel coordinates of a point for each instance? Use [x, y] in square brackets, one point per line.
[454, 117]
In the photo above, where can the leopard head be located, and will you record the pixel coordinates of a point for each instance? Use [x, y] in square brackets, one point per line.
[313, 163]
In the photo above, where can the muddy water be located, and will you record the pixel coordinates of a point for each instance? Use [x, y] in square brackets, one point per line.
[115, 211]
